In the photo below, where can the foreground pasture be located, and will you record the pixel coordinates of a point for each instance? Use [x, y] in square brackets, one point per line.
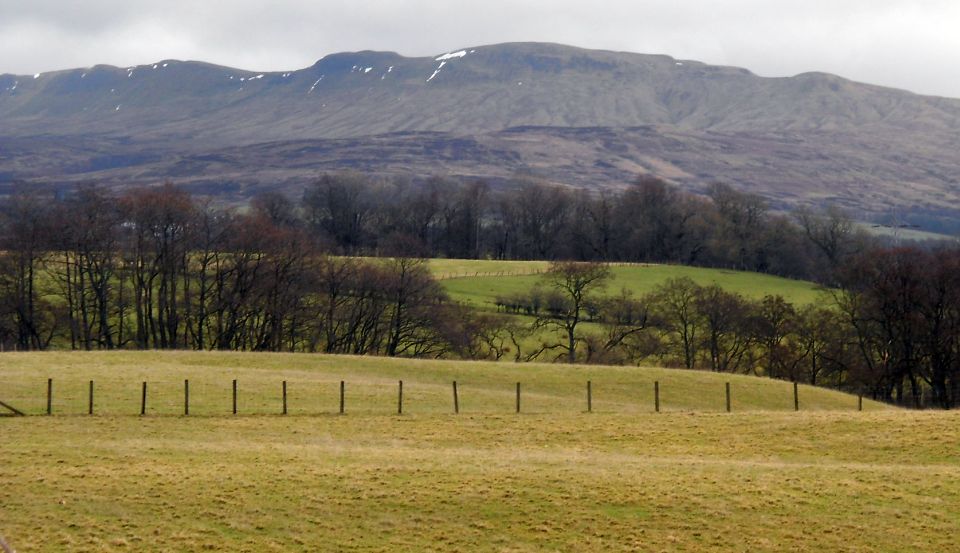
[825, 481]
[623, 478]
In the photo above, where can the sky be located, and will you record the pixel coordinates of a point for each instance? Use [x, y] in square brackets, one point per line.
[909, 44]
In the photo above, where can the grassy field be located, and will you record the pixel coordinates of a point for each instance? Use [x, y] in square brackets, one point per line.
[372, 385]
[517, 277]
[461, 268]
[554, 478]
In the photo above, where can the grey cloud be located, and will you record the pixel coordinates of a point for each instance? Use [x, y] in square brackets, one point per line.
[904, 43]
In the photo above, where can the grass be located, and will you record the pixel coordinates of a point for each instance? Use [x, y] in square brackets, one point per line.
[460, 268]
[371, 385]
[481, 291]
[621, 479]
[878, 481]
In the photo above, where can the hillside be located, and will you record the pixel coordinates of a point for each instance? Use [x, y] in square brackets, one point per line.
[577, 117]
[371, 385]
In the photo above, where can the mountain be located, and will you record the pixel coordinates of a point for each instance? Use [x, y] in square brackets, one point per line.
[572, 116]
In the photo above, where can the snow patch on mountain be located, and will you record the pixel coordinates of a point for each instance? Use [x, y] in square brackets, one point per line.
[452, 55]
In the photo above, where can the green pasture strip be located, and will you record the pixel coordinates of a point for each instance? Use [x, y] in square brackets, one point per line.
[640, 279]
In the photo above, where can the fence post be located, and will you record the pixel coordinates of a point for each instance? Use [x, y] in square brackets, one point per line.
[90, 403]
[518, 397]
[860, 402]
[589, 397]
[186, 397]
[143, 400]
[656, 396]
[796, 397]
[234, 396]
[49, 396]
[343, 386]
[284, 397]
[728, 397]
[400, 400]
[456, 399]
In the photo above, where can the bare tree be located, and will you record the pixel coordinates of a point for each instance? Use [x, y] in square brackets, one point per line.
[674, 310]
[724, 319]
[577, 284]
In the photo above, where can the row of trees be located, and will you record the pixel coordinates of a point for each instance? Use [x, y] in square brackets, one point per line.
[684, 324]
[892, 330]
[154, 269]
[648, 221]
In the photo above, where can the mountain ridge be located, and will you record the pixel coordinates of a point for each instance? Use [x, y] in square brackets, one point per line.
[870, 143]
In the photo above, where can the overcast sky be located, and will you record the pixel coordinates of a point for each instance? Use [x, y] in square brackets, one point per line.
[911, 44]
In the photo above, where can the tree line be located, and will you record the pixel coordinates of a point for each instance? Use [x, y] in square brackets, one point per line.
[647, 221]
[154, 268]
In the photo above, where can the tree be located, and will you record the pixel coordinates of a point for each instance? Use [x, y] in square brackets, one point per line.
[822, 344]
[161, 222]
[723, 318]
[624, 320]
[576, 283]
[412, 298]
[338, 207]
[742, 217]
[832, 232]
[674, 310]
[26, 227]
[776, 322]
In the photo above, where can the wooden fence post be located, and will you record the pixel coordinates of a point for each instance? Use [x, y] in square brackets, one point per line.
[796, 396]
[90, 402]
[143, 400]
[49, 396]
[400, 399]
[456, 399]
[656, 396]
[234, 396]
[728, 397]
[284, 397]
[860, 402]
[343, 390]
[589, 397]
[186, 397]
[518, 397]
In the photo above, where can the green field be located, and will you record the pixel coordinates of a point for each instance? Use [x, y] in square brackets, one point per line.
[554, 478]
[517, 277]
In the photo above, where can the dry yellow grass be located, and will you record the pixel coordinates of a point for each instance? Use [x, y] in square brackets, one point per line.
[622, 479]
[371, 385]
[883, 481]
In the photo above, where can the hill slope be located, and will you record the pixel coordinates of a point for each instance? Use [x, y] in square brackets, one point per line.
[371, 385]
[573, 116]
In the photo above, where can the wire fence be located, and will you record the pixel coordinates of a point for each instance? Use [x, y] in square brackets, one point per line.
[223, 397]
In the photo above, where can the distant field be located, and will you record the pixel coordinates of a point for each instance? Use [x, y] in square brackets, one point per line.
[459, 268]
[481, 291]
[487, 480]
[905, 233]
